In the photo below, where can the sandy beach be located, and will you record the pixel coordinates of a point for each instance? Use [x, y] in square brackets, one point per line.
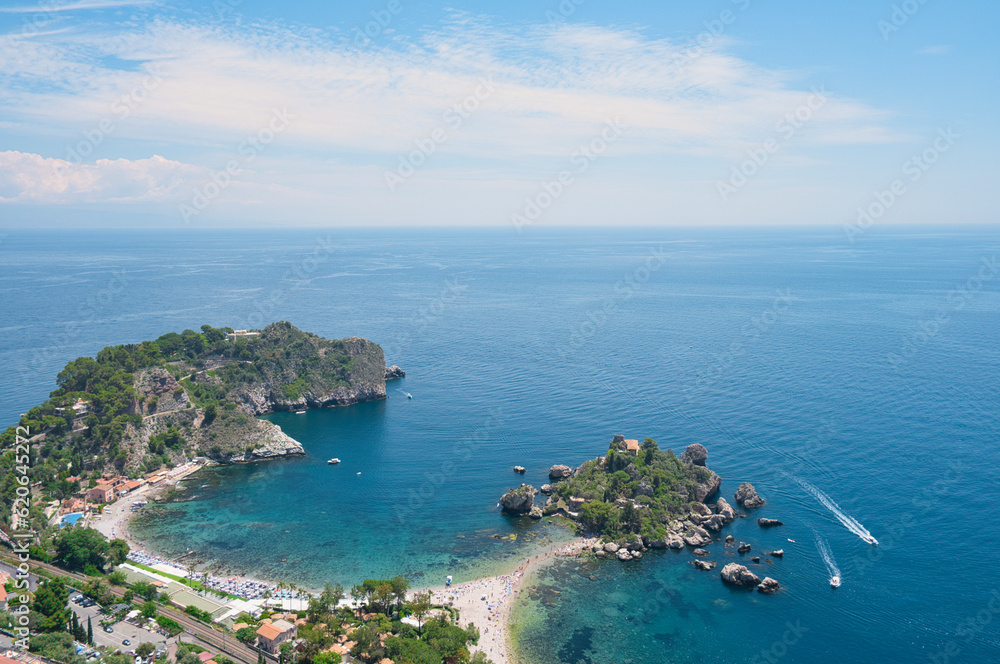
[487, 602]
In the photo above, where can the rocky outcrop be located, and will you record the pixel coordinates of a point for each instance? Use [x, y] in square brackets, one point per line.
[777, 553]
[746, 496]
[701, 553]
[611, 547]
[625, 554]
[394, 372]
[756, 559]
[743, 547]
[697, 536]
[708, 488]
[739, 575]
[701, 509]
[559, 472]
[703, 564]
[730, 539]
[546, 489]
[675, 542]
[714, 522]
[268, 443]
[769, 523]
[536, 512]
[695, 454]
[520, 470]
[768, 586]
[725, 509]
[519, 500]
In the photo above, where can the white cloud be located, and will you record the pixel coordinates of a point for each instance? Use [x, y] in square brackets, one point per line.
[75, 6]
[31, 178]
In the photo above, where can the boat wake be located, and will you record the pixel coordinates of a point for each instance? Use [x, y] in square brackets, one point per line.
[404, 393]
[831, 564]
[848, 522]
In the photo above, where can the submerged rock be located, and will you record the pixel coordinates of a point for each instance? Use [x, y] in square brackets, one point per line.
[768, 523]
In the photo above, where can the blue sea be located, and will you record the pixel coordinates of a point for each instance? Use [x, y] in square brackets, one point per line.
[867, 369]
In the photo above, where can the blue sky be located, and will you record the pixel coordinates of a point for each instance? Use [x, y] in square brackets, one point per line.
[528, 114]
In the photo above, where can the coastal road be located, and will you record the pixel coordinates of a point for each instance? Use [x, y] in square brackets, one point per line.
[208, 636]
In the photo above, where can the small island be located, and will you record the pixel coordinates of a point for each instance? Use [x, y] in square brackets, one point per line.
[638, 497]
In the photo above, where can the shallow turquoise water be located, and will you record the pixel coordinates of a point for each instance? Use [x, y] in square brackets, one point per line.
[784, 352]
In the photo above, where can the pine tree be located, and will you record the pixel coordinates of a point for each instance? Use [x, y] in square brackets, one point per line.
[90, 632]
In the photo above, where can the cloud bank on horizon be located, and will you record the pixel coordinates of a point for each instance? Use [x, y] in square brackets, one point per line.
[214, 119]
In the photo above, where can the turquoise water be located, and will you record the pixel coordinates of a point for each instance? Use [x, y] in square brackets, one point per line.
[70, 519]
[869, 370]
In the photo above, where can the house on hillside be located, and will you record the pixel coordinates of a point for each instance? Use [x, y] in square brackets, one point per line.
[632, 446]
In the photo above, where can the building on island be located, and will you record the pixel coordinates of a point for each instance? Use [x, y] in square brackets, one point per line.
[232, 336]
[270, 636]
[632, 446]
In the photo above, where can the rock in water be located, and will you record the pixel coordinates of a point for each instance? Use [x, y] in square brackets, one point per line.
[730, 539]
[695, 454]
[777, 553]
[535, 513]
[743, 547]
[623, 554]
[520, 470]
[519, 500]
[697, 537]
[559, 472]
[703, 565]
[546, 489]
[611, 547]
[739, 575]
[768, 586]
[725, 510]
[768, 523]
[700, 552]
[746, 496]
[394, 372]
[756, 559]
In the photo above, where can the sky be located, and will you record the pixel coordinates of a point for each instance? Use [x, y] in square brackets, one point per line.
[253, 113]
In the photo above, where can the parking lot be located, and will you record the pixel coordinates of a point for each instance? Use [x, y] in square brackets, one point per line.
[121, 630]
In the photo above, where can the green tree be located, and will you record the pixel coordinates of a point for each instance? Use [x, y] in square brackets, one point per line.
[118, 551]
[186, 656]
[146, 649]
[90, 631]
[78, 547]
[420, 606]
[286, 653]
[50, 603]
[247, 635]
[56, 646]
[148, 609]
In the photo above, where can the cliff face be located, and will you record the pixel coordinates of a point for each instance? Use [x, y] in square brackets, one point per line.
[296, 370]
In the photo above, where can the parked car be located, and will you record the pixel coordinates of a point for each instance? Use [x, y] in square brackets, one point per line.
[126, 642]
[109, 630]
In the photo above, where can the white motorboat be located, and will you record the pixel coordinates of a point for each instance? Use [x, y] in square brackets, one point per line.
[334, 461]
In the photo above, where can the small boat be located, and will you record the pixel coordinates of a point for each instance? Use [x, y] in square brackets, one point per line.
[409, 396]
[300, 412]
[792, 541]
[871, 540]
[835, 582]
[359, 473]
[334, 461]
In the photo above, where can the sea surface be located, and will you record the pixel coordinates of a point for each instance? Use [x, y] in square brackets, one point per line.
[868, 370]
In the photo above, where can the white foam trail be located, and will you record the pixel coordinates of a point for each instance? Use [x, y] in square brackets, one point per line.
[849, 522]
[824, 551]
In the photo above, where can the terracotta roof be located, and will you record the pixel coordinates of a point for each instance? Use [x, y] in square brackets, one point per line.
[205, 656]
[238, 626]
[631, 444]
[269, 632]
[3, 594]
